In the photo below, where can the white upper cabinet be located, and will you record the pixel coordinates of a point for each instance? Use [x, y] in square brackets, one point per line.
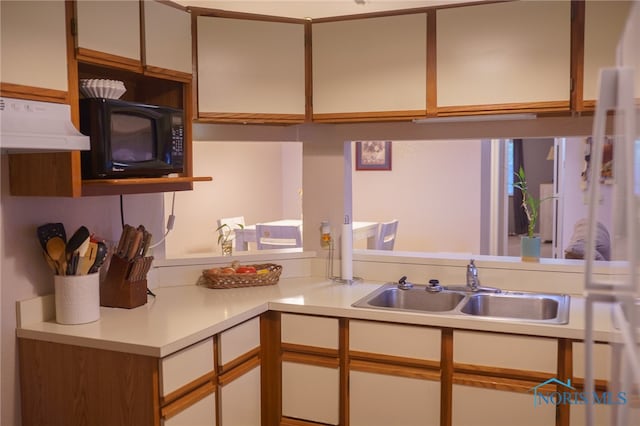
[167, 36]
[34, 49]
[249, 66]
[370, 65]
[513, 52]
[604, 22]
[111, 27]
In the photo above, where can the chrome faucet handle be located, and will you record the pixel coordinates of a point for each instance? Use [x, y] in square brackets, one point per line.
[403, 284]
[434, 286]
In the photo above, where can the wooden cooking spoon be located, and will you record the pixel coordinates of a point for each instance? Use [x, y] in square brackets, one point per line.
[56, 249]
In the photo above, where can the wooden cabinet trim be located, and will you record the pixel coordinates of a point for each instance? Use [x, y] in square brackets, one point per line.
[139, 186]
[271, 369]
[311, 350]
[393, 359]
[542, 107]
[239, 371]
[368, 116]
[500, 383]
[153, 71]
[302, 358]
[100, 58]
[446, 377]
[289, 421]
[188, 400]
[394, 370]
[507, 373]
[255, 352]
[11, 90]
[576, 63]
[252, 118]
[187, 388]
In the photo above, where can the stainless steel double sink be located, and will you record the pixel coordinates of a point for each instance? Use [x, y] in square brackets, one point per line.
[503, 305]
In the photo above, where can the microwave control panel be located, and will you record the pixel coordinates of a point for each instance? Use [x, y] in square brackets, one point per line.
[177, 146]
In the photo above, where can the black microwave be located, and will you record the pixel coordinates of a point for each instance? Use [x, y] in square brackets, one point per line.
[129, 139]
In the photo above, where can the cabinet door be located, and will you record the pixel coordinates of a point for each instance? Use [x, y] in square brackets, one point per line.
[603, 25]
[111, 27]
[489, 407]
[200, 413]
[186, 366]
[382, 400]
[240, 400]
[370, 65]
[503, 53]
[34, 49]
[249, 69]
[167, 37]
[310, 392]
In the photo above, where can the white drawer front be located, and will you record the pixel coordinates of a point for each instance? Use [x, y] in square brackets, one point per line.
[310, 330]
[239, 340]
[310, 392]
[185, 366]
[505, 351]
[395, 339]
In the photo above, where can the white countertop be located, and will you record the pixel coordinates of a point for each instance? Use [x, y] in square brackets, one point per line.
[182, 315]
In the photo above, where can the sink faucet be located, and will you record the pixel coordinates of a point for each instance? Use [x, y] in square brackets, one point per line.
[473, 282]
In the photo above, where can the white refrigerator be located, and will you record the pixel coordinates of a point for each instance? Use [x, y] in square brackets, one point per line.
[616, 285]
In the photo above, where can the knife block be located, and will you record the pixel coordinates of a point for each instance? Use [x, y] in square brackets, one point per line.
[116, 291]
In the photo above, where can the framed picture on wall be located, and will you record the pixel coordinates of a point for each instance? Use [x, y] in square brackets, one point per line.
[373, 155]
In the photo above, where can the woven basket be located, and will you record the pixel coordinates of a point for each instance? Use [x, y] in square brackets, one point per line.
[242, 280]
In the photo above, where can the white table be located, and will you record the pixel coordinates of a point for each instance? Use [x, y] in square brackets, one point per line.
[361, 230]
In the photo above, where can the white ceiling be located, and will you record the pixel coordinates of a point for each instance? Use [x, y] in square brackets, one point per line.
[313, 8]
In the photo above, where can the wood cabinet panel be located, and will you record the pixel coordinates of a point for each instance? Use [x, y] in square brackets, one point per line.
[33, 44]
[111, 27]
[499, 53]
[505, 351]
[370, 65]
[167, 36]
[604, 22]
[382, 400]
[249, 66]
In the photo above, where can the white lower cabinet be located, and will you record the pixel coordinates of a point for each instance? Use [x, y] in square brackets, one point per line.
[311, 392]
[201, 413]
[477, 406]
[383, 400]
[240, 400]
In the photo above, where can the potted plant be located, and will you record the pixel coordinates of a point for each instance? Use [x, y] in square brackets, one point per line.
[530, 244]
[225, 238]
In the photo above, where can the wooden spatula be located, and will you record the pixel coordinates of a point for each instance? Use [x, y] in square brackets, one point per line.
[86, 261]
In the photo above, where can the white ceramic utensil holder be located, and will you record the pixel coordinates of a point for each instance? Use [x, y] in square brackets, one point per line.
[77, 298]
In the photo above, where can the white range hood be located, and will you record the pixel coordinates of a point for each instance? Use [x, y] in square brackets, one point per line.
[33, 126]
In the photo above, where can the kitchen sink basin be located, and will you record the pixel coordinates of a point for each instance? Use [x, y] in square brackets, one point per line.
[416, 298]
[513, 306]
[519, 306]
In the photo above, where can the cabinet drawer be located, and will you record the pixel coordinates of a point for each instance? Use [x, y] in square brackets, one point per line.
[185, 366]
[601, 360]
[505, 351]
[201, 413]
[310, 392]
[490, 407]
[309, 330]
[239, 340]
[395, 339]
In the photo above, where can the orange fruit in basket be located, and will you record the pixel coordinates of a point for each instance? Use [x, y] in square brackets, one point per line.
[227, 271]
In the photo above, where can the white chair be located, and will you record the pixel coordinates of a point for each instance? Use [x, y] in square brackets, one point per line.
[277, 237]
[386, 235]
[232, 222]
